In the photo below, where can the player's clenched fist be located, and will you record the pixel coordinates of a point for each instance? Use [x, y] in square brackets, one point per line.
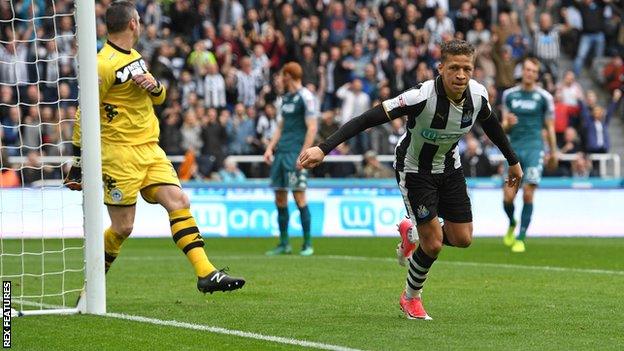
[148, 82]
[514, 177]
[311, 157]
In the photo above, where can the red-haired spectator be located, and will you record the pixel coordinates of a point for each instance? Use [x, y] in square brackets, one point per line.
[614, 73]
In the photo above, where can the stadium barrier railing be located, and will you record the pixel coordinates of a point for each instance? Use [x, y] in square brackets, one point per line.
[609, 165]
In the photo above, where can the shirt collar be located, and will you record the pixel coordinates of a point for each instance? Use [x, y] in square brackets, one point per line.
[127, 52]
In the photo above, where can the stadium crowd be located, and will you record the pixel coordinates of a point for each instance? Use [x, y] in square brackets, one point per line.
[219, 60]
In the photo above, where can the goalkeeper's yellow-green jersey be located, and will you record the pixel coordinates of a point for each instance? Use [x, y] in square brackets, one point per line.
[126, 111]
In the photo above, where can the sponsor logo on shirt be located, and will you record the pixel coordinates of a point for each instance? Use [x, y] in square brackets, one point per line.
[288, 108]
[440, 136]
[524, 104]
[126, 72]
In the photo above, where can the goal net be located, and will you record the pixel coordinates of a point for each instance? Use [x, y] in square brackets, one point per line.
[42, 224]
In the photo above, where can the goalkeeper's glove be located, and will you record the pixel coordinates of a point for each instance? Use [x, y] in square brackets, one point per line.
[148, 82]
[73, 180]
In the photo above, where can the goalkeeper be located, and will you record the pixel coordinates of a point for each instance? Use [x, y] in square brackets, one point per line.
[132, 161]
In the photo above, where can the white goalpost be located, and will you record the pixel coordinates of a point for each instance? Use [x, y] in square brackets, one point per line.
[95, 284]
[51, 242]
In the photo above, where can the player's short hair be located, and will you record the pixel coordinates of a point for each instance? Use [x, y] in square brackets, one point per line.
[533, 60]
[456, 47]
[293, 69]
[118, 15]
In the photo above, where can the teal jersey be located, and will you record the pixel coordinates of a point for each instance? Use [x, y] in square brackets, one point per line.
[532, 109]
[293, 111]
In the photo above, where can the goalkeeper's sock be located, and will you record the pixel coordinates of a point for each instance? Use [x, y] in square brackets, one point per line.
[112, 246]
[187, 238]
[509, 210]
[282, 221]
[525, 220]
[304, 213]
[419, 265]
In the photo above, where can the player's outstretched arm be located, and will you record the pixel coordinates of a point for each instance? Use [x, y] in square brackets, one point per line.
[313, 156]
[371, 118]
[377, 115]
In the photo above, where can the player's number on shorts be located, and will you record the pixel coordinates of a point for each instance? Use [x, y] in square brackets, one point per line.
[532, 173]
[111, 111]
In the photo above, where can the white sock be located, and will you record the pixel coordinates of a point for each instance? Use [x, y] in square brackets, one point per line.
[411, 293]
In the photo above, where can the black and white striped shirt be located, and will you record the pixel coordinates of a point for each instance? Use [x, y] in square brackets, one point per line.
[435, 125]
[546, 44]
[246, 85]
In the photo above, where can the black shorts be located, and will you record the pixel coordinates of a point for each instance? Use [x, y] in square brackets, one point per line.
[429, 195]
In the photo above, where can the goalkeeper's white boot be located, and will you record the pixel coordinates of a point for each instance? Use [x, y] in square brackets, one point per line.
[409, 237]
[219, 281]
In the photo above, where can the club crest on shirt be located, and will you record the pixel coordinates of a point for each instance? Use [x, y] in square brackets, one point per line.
[466, 117]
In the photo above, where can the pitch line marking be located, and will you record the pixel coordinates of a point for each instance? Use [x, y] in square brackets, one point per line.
[210, 329]
[239, 333]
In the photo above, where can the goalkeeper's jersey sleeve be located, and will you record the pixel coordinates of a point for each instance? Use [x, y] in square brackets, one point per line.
[126, 111]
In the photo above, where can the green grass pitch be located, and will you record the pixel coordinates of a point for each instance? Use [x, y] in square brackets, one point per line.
[562, 294]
